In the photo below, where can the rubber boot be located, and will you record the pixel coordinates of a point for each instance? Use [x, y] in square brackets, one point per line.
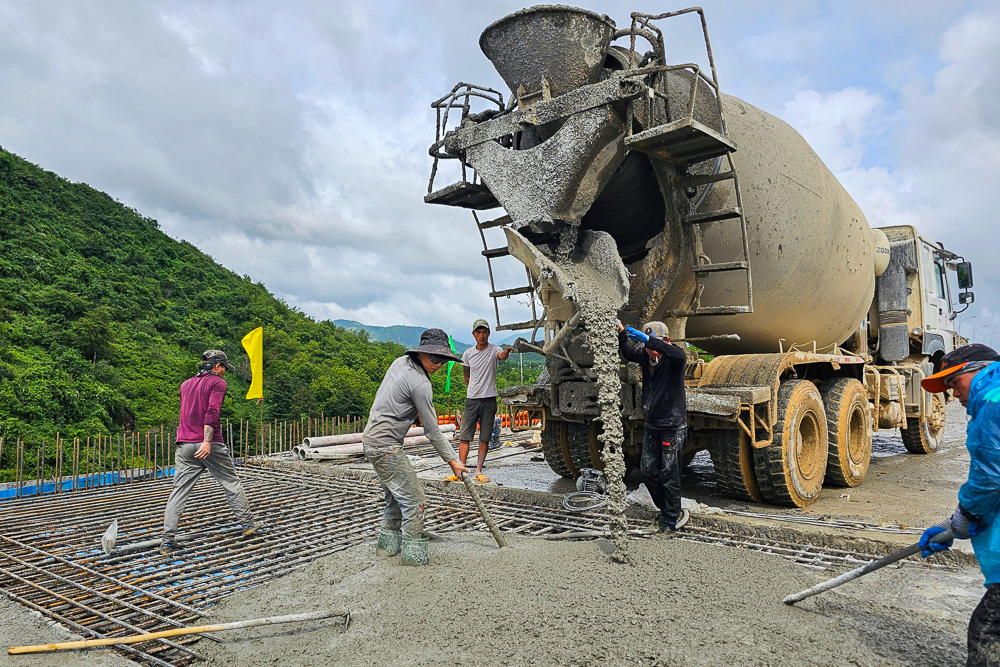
[414, 551]
[388, 543]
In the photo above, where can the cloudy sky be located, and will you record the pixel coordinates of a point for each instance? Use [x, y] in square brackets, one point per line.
[289, 140]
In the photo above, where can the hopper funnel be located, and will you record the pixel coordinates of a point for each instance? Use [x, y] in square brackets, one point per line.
[565, 45]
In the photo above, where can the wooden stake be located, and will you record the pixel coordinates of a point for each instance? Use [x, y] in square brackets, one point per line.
[344, 612]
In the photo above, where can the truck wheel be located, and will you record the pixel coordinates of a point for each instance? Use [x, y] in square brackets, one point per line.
[848, 424]
[924, 437]
[584, 448]
[733, 460]
[790, 470]
[555, 448]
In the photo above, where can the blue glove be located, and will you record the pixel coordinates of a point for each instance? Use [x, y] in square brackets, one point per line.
[933, 547]
[636, 335]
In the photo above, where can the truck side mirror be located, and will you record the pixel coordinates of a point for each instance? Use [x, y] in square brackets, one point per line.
[966, 297]
[964, 270]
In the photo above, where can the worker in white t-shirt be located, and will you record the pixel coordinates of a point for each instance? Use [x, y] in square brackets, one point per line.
[479, 366]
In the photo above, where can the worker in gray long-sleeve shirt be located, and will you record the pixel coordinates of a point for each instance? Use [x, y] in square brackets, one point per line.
[405, 394]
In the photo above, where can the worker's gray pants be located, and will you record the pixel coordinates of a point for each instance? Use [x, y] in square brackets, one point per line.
[404, 497]
[187, 471]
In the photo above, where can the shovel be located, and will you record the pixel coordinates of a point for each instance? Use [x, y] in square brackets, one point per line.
[865, 569]
[110, 537]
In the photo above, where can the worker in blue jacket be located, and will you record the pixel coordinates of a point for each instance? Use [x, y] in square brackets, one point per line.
[973, 375]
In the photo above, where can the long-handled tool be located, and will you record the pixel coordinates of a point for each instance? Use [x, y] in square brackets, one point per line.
[344, 612]
[865, 569]
[497, 535]
[110, 537]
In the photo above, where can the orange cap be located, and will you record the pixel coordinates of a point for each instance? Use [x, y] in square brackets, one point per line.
[935, 384]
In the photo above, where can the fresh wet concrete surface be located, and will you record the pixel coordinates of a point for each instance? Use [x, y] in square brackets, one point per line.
[559, 603]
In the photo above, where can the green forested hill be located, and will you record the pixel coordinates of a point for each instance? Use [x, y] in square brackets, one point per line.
[102, 315]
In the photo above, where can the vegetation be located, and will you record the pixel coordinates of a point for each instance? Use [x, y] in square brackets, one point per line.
[102, 316]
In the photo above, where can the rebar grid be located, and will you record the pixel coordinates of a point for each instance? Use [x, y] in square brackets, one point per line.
[807, 555]
[51, 560]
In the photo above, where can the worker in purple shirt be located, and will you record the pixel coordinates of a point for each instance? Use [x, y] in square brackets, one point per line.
[201, 446]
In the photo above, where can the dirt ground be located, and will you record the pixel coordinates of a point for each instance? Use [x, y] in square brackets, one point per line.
[20, 626]
[556, 603]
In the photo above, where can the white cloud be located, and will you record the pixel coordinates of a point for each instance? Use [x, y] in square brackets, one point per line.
[290, 141]
[944, 168]
[837, 124]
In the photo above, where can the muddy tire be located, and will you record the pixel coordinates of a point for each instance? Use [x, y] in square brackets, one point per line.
[848, 425]
[584, 447]
[733, 460]
[791, 469]
[924, 437]
[556, 450]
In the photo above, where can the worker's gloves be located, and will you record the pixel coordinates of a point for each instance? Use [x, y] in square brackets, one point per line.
[636, 335]
[965, 524]
[933, 547]
[962, 523]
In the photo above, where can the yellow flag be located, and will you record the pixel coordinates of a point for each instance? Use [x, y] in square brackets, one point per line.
[253, 343]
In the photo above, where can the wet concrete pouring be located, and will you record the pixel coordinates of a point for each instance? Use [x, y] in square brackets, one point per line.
[677, 602]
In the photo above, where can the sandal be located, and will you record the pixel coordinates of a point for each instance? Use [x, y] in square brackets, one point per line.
[452, 478]
[481, 478]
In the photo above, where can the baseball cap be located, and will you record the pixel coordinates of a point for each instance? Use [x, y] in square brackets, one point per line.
[955, 361]
[480, 323]
[656, 329]
[216, 357]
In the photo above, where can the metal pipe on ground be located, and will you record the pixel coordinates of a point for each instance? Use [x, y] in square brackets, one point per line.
[348, 438]
[353, 449]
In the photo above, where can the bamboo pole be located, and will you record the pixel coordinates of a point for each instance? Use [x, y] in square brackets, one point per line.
[344, 612]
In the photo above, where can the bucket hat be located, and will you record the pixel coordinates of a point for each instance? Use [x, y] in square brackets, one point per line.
[435, 341]
[968, 357]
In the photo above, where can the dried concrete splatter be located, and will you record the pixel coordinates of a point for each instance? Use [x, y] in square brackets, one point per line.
[554, 603]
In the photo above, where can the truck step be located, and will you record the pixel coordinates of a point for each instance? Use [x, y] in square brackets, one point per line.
[464, 195]
[498, 222]
[722, 266]
[685, 182]
[712, 216]
[517, 326]
[513, 292]
[493, 253]
[682, 142]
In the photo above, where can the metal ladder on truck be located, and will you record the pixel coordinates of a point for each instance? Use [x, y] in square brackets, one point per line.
[475, 196]
[685, 142]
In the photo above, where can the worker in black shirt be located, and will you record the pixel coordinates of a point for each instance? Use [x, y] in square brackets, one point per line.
[665, 409]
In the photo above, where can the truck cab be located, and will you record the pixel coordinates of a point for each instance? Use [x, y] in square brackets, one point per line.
[917, 277]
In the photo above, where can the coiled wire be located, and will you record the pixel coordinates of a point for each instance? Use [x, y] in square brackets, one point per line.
[584, 501]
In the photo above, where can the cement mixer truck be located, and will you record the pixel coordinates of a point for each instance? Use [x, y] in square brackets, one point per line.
[627, 178]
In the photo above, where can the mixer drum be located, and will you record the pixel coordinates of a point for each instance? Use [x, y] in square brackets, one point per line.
[811, 251]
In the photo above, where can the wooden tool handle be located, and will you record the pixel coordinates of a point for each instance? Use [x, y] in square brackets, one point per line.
[344, 612]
